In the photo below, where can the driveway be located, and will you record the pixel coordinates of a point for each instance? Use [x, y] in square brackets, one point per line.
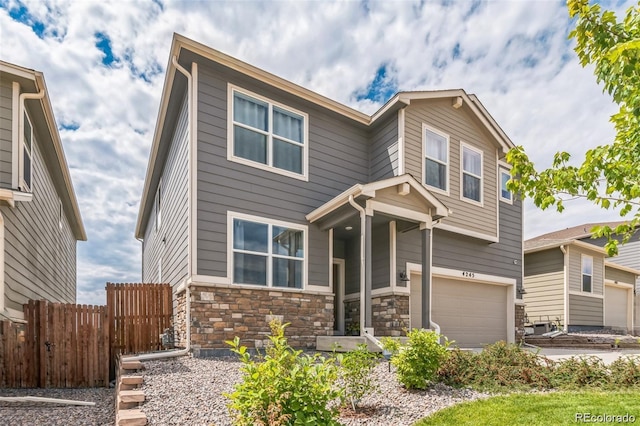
[607, 356]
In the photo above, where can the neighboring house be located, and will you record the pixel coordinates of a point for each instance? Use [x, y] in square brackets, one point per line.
[263, 198]
[573, 284]
[39, 218]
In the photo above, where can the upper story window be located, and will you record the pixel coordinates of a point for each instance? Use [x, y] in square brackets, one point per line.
[267, 135]
[505, 194]
[471, 181]
[436, 159]
[269, 254]
[587, 273]
[26, 171]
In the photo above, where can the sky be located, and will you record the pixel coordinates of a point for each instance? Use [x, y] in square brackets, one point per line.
[104, 63]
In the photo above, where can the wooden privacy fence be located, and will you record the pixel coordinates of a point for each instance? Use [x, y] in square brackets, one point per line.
[61, 346]
[138, 315]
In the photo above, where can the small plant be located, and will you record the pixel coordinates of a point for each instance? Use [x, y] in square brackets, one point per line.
[418, 361]
[580, 371]
[355, 371]
[625, 371]
[353, 328]
[390, 344]
[286, 388]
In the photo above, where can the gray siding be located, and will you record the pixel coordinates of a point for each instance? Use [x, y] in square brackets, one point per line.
[628, 254]
[384, 149]
[575, 270]
[455, 251]
[585, 310]
[352, 265]
[543, 262]
[380, 256]
[614, 274]
[460, 126]
[6, 108]
[40, 257]
[338, 158]
[168, 245]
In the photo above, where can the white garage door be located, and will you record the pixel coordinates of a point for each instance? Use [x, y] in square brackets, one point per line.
[471, 314]
[615, 306]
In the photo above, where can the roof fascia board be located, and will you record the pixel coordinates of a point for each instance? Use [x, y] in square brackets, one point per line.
[7, 68]
[557, 244]
[336, 202]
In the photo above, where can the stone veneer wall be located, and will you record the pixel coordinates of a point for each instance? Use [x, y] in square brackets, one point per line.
[519, 312]
[389, 314]
[180, 320]
[221, 313]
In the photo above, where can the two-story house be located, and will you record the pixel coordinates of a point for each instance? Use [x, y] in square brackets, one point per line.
[570, 280]
[263, 198]
[40, 222]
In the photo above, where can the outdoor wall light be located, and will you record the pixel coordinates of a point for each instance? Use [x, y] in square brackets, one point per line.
[348, 228]
[403, 276]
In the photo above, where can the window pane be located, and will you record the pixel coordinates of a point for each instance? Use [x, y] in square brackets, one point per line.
[287, 124]
[470, 187]
[249, 269]
[27, 133]
[287, 242]
[504, 178]
[249, 144]
[587, 265]
[435, 174]
[436, 146]
[586, 283]
[472, 162]
[250, 236]
[27, 169]
[251, 112]
[287, 156]
[287, 273]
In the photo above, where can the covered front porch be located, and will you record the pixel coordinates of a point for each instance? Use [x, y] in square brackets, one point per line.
[365, 225]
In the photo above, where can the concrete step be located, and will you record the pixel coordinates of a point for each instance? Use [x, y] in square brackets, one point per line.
[343, 343]
[131, 418]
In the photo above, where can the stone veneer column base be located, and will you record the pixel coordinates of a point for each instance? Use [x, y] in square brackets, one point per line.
[519, 313]
[219, 314]
[389, 314]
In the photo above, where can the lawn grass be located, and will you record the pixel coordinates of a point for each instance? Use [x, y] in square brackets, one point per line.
[557, 408]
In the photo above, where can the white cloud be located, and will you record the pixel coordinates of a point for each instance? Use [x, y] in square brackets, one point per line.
[514, 55]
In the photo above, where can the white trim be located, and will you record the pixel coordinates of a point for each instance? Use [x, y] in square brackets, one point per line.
[630, 297]
[623, 268]
[474, 277]
[379, 292]
[331, 260]
[504, 164]
[224, 282]
[401, 132]
[467, 232]
[394, 210]
[270, 222]
[158, 206]
[585, 294]
[565, 269]
[426, 127]
[193, 171]
[393, 270]
[612, 283]
[501, 171]
[16, 131]
[480, 202]
[2, 303]
[582, 273]
[231, 88]
[338, 292]
[22, 184]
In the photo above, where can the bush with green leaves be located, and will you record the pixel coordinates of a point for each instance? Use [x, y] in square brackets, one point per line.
[625, 372]
[286, 388]
[355, 371]
[580, 371]
[418, 361]
[501, 366]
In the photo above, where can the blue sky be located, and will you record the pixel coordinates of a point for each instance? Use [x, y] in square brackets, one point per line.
[104, 63]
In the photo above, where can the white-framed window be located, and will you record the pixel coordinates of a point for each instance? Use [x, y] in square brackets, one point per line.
[26, 147]
[471, 171]
[267, 135]
[587, 273]
[435, 167]
[158, 206]
[266, 252]
[505, 194]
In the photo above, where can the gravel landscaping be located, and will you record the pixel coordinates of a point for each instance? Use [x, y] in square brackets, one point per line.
[41, 413]
[189, 391]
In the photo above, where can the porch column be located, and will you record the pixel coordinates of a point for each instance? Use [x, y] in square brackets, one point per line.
[426, 274]
[367, 272]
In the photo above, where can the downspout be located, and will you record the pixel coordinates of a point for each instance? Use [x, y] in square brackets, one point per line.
[565, 289]
[23, 97]
[187, 348]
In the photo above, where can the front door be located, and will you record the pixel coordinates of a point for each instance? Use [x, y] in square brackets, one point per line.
[338, 300]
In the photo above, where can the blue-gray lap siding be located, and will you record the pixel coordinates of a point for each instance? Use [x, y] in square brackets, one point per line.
[460, 252]
[6, 108]
[40, 255]
[384, 149]
[338, 158]
[169, 244]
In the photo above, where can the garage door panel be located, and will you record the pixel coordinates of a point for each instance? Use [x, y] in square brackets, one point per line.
[472, 314]
[615, 302]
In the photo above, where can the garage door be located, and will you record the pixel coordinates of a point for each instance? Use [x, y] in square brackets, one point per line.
[615, 306]
[471, 314]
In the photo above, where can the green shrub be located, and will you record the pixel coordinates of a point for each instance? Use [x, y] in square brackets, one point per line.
[580, 371]
[286, 388]
[418, 361]
[390, 344]
[625, 372]
[355, 371]
[498, 367]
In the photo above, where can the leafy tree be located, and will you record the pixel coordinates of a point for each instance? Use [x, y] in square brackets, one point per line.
[610, 174]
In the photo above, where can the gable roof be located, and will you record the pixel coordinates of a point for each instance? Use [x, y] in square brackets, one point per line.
[182, 44]
[532, 246]
[32, 80]
[575, 232]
